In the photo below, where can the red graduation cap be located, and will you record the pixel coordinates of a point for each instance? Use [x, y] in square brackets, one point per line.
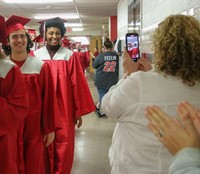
[38, 39]
[3, 39]
[31, 31]
[66, 42]
[15, 23]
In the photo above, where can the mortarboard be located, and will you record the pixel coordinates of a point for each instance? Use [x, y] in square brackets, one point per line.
[3, 39]
[38, 39]
[15, 23]
[66, 42]
[52, 19]
[31, 31]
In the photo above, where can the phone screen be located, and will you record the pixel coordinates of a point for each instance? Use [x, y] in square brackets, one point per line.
[132, 45]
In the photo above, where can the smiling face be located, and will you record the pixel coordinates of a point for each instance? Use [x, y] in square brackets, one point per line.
[53, 36]
[18, 41]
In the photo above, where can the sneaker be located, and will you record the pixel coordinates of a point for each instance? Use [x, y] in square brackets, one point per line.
[103, 116]
[97, 112]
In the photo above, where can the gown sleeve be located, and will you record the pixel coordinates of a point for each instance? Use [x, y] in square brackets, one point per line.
[13, 100]
[49, 102]
[186, 161]
[84, 103]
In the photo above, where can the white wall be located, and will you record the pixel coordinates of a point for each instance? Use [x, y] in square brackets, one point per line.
[154, 11]
[122, 26]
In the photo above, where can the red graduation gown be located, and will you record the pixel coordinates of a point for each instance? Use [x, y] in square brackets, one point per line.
[42, 110]
[74, 100]
[83, 60]
[13, 110]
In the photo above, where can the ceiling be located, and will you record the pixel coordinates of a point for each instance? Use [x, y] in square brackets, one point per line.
[92, 13]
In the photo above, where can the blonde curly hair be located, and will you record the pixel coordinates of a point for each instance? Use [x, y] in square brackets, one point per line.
[176, 45]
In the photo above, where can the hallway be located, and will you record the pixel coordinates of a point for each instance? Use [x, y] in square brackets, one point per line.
[92, 142]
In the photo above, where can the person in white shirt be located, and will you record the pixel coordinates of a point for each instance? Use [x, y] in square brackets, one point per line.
[175, 78]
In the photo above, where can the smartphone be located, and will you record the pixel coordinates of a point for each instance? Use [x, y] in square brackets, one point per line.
[132, 45]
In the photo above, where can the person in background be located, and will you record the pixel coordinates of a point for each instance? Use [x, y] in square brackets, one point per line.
[83, 59]
[95, 54]
[13, 110]
[129, 47]
[39, 126]
[181, 138]
[175, 78]
[107, 66]
[32, 34]
[73, 94]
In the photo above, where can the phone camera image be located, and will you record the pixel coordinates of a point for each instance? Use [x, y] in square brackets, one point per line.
[132, 45]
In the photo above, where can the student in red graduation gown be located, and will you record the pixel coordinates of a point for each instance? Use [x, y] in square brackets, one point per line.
[38, 130]
[13, 109]
[83, 59]
[74, 97]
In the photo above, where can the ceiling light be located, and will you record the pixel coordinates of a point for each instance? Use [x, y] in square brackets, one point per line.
[63, 16]
[133, 28]
[132, 23]
[73, 24]
[77, 29]
[36, 1]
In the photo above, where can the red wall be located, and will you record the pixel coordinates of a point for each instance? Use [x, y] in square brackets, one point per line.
[113, 28]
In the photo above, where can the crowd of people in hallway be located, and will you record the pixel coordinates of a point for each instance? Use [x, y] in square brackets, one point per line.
[44, 94]
[58, 95]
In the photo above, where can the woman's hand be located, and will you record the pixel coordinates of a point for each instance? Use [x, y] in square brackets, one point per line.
[49, 138]
[185, 109]
[78, 122]
[129, 65]
[173, 135]
[145, 65]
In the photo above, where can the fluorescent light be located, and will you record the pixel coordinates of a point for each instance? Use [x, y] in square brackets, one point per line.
[133, 28]
[84, 40]
[73, 24]
[77, 29]
[36, 1]
[63, 16]
[132, 24]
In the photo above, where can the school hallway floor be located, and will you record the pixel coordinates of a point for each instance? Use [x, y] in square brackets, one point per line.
[92, 142]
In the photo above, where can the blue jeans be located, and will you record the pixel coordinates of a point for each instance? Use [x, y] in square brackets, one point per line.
[101, 92]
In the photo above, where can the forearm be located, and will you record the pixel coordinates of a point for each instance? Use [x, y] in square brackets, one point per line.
[186, 161]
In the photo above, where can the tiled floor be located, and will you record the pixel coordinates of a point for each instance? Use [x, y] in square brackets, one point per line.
[93, 140]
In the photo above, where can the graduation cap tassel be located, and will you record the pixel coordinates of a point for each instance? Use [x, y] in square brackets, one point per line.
[44, 26]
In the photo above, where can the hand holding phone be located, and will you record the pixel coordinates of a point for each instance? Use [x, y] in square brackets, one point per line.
[132, 45]
[129, 65]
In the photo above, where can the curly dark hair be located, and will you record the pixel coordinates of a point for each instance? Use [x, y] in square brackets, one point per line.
[57, 23]
[176, 45]
[7, 48]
